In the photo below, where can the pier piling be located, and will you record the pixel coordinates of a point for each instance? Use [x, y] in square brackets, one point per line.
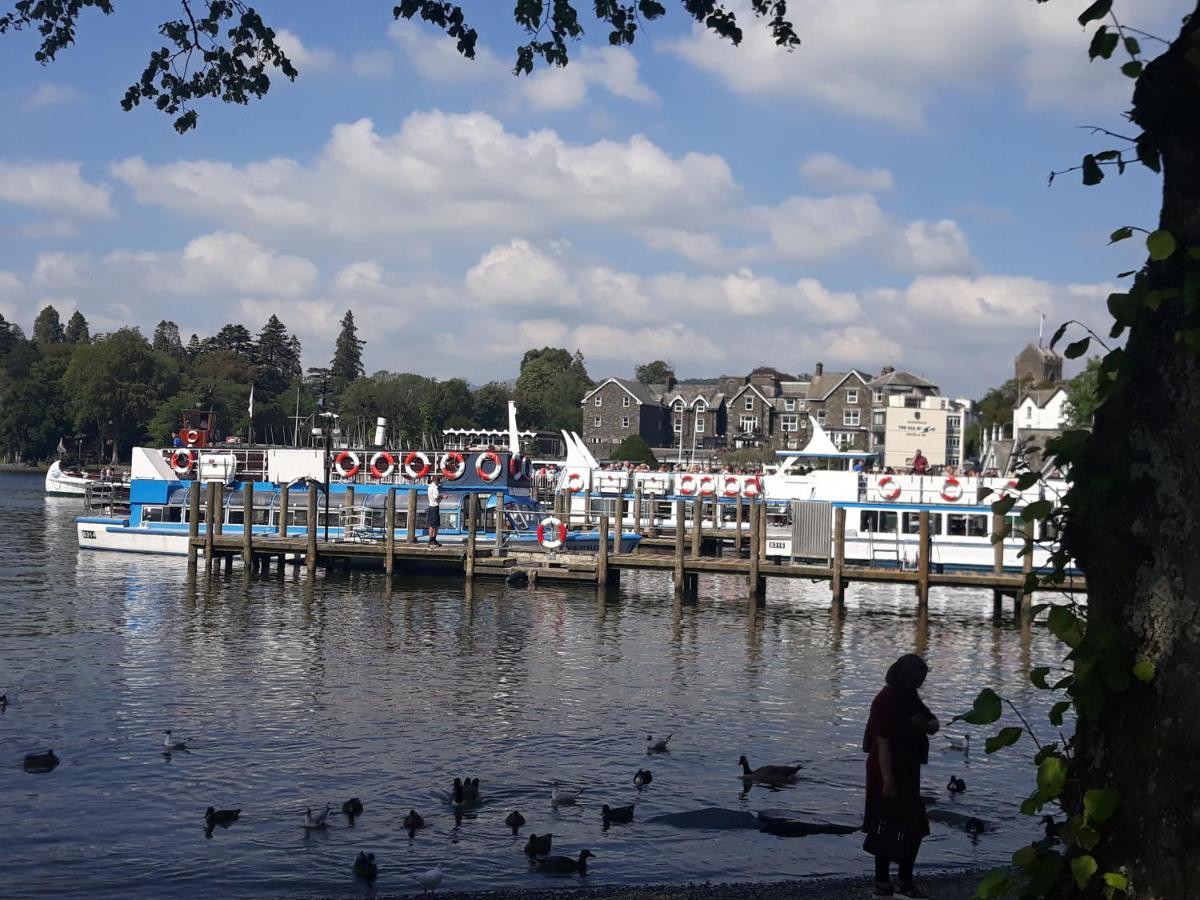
[619, 519]
[310, 555]
[755, 581]
[923, 561]
[389, 525]
[1025, 606]
[697, 520]
[499, 523]
[737, 527]
[410, 534]
[283, 511]
[248, 526]
[997, 563]
[472, 528]
[210, 509]
[837, 584]
[193, 524]
[679, 546]
[602, 555]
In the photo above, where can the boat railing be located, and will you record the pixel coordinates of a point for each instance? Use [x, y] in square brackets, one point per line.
[106, 496]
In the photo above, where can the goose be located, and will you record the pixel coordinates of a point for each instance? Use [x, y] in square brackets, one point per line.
[619, 815]
[315, 820]
[471, 790]
[563, 796]
[538, 845]
[768, 774]
[220, 816]
[659, 746]
[365, 867]
[457, 795]
[41, 763]
[514, 820]
[642, 778]
[975, 826]
[517, 578]
[564, 865]
[352, 807]
[431, 879]
[171, 745]
[413, 821]
[959, 742]
[956, 785]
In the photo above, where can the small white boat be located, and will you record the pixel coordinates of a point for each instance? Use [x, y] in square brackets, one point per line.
[62, 482]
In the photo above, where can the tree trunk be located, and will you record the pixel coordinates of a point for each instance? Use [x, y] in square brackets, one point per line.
[1135, 529]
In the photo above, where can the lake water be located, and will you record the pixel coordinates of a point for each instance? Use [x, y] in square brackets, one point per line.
[299, 694]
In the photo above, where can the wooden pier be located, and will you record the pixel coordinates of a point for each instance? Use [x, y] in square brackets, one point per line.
[681, 555]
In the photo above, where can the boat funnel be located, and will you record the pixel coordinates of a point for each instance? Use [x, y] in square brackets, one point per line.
[514, 439]
[380, 431]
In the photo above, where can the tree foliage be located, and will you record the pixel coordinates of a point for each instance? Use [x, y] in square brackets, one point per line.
[634, 449]
[550, 388]
[656, 372]
[47, 327]
[1083, 395]
[346, 364]
[77, 329]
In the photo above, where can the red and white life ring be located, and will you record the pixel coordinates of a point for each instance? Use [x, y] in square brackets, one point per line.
[752, 486]
[708, 484]
[1011, 486]
[518, 467]
[388, 464]
[454, 465]
[687, 484]
[551, 533]
[191, 437]
[952, 490]
[497, 466]
[182, 461]
[575, 482]
[341, 460]
[416, 464]
[887, 487]
[733, 484]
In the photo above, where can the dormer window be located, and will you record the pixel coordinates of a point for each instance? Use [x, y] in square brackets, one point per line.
[678, 406]
[748, 403]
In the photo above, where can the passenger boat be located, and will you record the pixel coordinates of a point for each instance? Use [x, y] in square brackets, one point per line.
[75, 482]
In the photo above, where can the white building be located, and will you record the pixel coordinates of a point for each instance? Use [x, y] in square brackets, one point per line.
[933, 425]
[1040, 410]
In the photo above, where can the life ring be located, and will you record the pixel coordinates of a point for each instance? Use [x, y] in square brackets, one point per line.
[182, 461]
[575, 482]
[413, 471]
[497, 466]
[687, 484]
[752, 487]
[707, 484]
[454, 465]
[386, 470]
[733, 484]
[342, 458]
[518, 467]
[551, 533]
[952, 491]
[1012, 484]
[884, 492]
[191, 436]
[527, 468]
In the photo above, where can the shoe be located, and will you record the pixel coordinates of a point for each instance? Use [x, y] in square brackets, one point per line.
[909, 892]
[883, 889]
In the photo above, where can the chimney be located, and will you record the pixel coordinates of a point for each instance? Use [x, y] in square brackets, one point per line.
[819, 369]
[670, 380]
[887, 370]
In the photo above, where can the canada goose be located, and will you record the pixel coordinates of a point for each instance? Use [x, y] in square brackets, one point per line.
[365, 867]
[561, 796]
[659, 746]
[220, 816]
[431, 879]
[538, 845]
[768, 774]
[956, 785]
[642, 778]
[564, 865]
[315, 820]
[514, 820]
[471, 790]
[352, 807]
[619, 815]
[41, 763]
[170, 745]
[959, 742]
[413, 821]
[458, 795]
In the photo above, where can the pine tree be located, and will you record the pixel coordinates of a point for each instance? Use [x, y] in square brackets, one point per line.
[47, 327]
[167, 340]
[234, 339]
[346, 364]
[294, 369]
[77, 329]
[194, 346]
[273, 358]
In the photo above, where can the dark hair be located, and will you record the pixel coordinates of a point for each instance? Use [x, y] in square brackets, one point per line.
[908, 672]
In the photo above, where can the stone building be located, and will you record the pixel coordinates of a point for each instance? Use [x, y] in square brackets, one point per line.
[619, 407]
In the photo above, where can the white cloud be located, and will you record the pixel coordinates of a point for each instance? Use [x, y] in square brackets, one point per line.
[373, 63]
[58, 187]
[1000, 302]
[516, 274]
[46, 94]
[934, 247]
[807, 229]
[613, 68]
[436, 58]
[832, 173]
[53, 228]
[305, 59]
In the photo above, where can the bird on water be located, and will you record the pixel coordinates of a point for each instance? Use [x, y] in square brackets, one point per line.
[431, 879]
[514, 820]
[564, 865]
[365, 866]
[642, 778]
[41, 763]
[616, 815]
[171, 745]
[561, 796]
[659, 746]
[768, 774]
[314, 820]
[413, 821]
[538, 845]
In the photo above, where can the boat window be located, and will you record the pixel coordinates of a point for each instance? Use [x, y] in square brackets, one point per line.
[234, 517]
[956, 525]
[977, 526]
[1047, 531]
[912, 523]
[173, 514]
[888, 522]
[261, 516]
[298, 517]
[152, 514]
[878, 521]
[868, 521]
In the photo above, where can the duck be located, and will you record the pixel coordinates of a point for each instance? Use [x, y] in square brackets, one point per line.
[315, 820]
[538, 845]
[471, 790]
[352, 807]
[959, 742]
[619, 815]
[431, 879]
[564, 865]
[365, 867]
[975, 826]
[659, 746]
[642, 778]
[40, 763]
[413, 821]
[3, 702]
[514, 820]
[768, 774]
[561, 796]
[220, 816]
[956, 785]
[517, 578]
[171, 745]
[458, 795]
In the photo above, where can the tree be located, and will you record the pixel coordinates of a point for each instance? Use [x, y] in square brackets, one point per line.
[346, 364]
[276, 361]
[656, 372]
[47, 327]
[33, 416]
[166, 339]
[550, 388]
[77, 329]
[489, 405]
[634, 449]
[10, 336]
[232, 339]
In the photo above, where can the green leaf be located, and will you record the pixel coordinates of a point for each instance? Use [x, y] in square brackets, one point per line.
[1143, 670]
[1119, 235]
[1116, 881]
[1032, 804]
[1006, 738]
[1086, 837]
[1147, 154]
[1092, 173]
[1038, 677]
[1100, 804]
[984, 492]
[1161, 244]
[1104, 42]
[1004, 505]
[1037, 510]
[1025, 857]
[1051, 776]
[1028, 480]
[1065, 625]
[1083, 868]
[985, 711]
[1097, 10]
[1132, 69]
[994, 885]
[1132, 47]
[1076, 349]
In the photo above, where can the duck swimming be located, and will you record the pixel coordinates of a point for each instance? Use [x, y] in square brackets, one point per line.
[515, 821]
[618, 815]
[538, 845]
[642, 778]
[458, 795]
[956, 785]
[40, 763]
[413, 821]
[352, 807]
[564, 865]
[768, 774]
[365, 867]
[220, 816]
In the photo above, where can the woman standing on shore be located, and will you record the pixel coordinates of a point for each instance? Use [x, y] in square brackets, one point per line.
[897, 739]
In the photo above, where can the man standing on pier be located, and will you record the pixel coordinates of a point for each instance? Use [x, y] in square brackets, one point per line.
[433, 515]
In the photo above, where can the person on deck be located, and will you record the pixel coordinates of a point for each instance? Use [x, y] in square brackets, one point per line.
[433, 515]
[897, 743]
[920, 463]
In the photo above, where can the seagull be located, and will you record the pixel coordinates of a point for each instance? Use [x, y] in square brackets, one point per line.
[642, 778]
[959, 742]
[563, 796]
[170, 744]
[768, 774]
[659, 746]
[315, 820]
[514, 821]
[431, 879]
[365, 866]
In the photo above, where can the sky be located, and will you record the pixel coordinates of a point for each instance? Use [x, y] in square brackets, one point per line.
[876, 197]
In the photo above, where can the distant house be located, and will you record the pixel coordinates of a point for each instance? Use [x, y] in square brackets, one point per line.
[841, 404]
[617, 408]
[697, 415]
[1036, 366]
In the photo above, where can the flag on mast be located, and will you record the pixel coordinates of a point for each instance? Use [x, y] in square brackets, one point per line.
[1041, 325]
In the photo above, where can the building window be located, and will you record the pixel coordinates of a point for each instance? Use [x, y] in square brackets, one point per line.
[820, 416]
[678, 425]
[850, 417]
[748, 403]
[748, 424]
[624, 421]
[701, 406]
[678, 407]
[596, 421]
[625, 401]
[852, 395]
[880, 418]
[952, 442]
[1028, 413]
[790, 423]
[877, 395]
[599, 400]
[700, 425]
[789, 405]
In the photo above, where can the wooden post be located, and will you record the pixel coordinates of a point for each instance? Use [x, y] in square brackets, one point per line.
[210, 509]
[248, 525]
[756, 515]
[587, 507]
[410, 535]
[679, 544]
[923, 561]
[997, 563]
[219, 521]
[499, 523]
[472, 529]
[697, 520]
[837, 583]
[1026, 607]
[193, 525]
[620, 525]
[283, 511]
[310, 557]
[650, 527]
[737, 527]
[762, 532]
[637, 511]
[602, 556]
[389, 525]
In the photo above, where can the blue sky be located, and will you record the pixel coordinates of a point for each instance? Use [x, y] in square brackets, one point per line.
[878, 197]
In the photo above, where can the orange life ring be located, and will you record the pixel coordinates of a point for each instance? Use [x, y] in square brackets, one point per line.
[342, 458]
[414, 472]
[687, 484]
[191, 436]
[752, 486]
[518, 467]
[497, 466]
[454, 465]
[389, 467]
[707, 484]
[575, 482]
[733, 484]
[952, 490]
[184, 466]
[551, 533]
[882, 486]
